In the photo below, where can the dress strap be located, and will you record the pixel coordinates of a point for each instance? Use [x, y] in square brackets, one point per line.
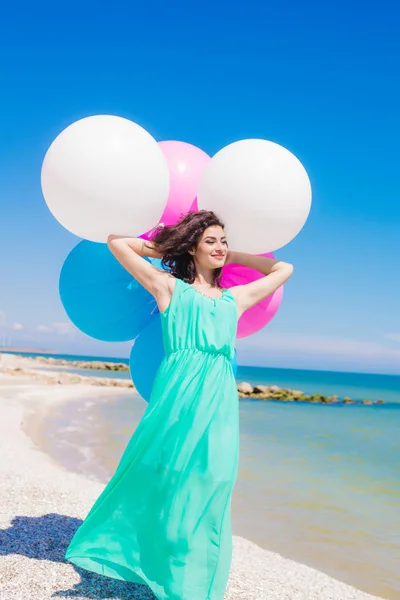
[175, 294]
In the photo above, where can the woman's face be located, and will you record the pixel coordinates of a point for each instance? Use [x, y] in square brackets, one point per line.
[212, 248]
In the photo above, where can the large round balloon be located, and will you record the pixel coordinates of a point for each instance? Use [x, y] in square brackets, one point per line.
[260, 190]
[147, 354]
[100, 297]
[186, 165]
[258, 316]
[103, 175]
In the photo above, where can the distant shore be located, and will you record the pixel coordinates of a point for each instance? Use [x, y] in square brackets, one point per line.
[26, 350]
[15, 364]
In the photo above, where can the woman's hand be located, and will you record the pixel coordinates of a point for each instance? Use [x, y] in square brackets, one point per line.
[262, 264]
[138, 245]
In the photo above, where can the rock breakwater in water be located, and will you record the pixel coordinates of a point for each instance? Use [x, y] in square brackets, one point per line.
[273, 392]
[95, 365]
[54, 378]
[22, 366]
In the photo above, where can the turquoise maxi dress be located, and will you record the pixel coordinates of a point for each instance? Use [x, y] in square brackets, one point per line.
[164, 517]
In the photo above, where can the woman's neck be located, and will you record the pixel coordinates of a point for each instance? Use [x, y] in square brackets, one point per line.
[205, 281]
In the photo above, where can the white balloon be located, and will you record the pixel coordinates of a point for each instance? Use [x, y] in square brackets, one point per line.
[103, 175]
[260, 190]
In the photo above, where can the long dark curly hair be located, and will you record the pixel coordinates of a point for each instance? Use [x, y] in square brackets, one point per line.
[173, 242]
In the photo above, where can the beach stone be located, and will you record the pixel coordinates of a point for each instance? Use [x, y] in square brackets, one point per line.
[245, 387]
[297, 393]
[315, 398]
[274, 389]
[261, 389]
[367, 402]
[329, 399]
[258, 396]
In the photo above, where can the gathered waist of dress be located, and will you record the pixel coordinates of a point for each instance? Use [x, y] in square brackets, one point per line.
[214, 352]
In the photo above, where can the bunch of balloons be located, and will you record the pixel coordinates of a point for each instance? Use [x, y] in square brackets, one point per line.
[106, 174]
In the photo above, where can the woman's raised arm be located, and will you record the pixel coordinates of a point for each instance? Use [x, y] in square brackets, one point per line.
[129, 251]
[276, 274]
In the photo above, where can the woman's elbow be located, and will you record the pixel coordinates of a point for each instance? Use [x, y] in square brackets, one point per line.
[289, 267]
[286, 270]
[283, 267]
[112, 239]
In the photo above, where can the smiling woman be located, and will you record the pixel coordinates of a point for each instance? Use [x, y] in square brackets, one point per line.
[164, 518]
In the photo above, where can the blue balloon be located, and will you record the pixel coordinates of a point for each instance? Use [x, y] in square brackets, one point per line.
[100, 297]
[146, 356]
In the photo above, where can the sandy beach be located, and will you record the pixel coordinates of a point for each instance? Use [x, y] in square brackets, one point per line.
[42, 504]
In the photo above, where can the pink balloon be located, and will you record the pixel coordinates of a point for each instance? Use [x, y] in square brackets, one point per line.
[186, 164]
[194, 207]
[259, 315]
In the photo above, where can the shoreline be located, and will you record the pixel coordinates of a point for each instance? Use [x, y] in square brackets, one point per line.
[15, 364]
[42, 503]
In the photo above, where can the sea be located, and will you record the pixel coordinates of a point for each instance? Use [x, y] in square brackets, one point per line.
[319, 484]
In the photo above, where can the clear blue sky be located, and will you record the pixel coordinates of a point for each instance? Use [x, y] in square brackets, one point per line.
[321, 79]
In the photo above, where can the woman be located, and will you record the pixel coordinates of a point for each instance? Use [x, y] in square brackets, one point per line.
[164, 517]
